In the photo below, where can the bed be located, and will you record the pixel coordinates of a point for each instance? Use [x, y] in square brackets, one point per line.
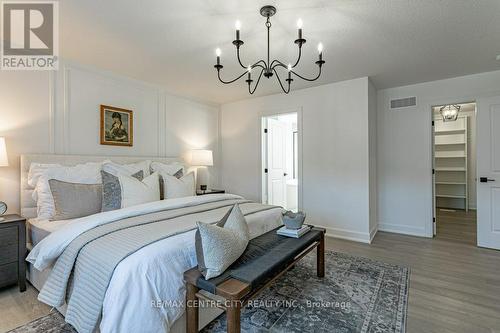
[147, 284]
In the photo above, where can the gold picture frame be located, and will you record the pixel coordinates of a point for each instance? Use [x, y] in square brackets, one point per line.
[117, 126]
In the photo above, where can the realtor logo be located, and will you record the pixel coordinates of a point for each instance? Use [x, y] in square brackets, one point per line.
[30, 35]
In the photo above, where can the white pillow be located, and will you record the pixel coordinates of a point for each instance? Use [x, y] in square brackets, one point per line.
[37, 170]
[135, 192]
[88, 173]
[178, 188]
[127, 169]
[169, 169]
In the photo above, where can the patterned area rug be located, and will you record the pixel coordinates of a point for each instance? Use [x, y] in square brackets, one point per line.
[356, 295]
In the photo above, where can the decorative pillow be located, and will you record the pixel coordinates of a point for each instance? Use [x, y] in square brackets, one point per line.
[127, 169]
[88, 173]
[173, 169]
[178, 188]
[73, 200]
[111, 190]
[219, 245]
[134, 192]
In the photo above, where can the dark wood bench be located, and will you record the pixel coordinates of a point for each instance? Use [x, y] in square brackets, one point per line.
[266, 258]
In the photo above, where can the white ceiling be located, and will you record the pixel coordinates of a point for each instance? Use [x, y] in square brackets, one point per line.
[172, 43]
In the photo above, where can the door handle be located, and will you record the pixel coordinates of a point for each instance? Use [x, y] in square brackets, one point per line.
[485, 179]
[285, 174]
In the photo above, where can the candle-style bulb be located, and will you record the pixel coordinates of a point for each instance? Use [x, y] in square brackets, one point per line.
[299, 26]
[238, 27]
[289, 67]
[217, 52]
[249, 69]
[320, 48]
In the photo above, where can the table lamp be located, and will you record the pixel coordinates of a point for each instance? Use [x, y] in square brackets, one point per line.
[4, 161]
[202, 158]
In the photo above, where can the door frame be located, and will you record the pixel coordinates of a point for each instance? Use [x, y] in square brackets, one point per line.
[431, 225]
[263, 151]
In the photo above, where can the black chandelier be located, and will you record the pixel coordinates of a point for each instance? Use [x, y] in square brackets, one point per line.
[269, 68]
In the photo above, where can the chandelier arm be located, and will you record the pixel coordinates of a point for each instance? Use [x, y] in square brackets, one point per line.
[281, 84]
[231, 81]
[238, 56]
[256, 83]
[278, 63]
[298, 59]
[257, 64]
[307, 79]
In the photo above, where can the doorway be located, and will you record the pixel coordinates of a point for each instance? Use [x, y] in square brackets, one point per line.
[454, 170]
[280, 160]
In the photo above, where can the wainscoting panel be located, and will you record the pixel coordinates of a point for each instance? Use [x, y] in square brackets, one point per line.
[86, 90]
[59, 112]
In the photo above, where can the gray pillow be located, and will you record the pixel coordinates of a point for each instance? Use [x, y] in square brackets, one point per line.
[111, 195]
[219, 245]
[73, 200]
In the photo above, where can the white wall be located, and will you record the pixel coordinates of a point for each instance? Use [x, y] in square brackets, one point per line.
[335, 161]
[42, 112]
[404, 148]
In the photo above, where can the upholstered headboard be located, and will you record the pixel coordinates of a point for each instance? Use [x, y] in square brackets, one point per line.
[28, 205]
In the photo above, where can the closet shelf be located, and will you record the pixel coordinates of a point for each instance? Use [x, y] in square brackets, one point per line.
[450, 196]
[450, 169]
[457, 131]
[450, 162]
[449, 143]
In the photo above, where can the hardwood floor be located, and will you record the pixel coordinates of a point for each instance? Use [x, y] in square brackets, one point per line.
[18, 308]
[458, 226]
[454, 286]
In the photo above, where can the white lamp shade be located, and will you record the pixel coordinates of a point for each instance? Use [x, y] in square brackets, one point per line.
[4, 160]
[202, 157]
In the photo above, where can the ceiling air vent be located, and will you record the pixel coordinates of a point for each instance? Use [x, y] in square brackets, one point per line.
[403, 102]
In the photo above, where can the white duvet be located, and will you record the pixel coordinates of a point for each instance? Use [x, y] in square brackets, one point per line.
[146, 292]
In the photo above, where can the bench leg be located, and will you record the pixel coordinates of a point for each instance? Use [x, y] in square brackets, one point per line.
[320, 257]
[191, 309]
[233, 312]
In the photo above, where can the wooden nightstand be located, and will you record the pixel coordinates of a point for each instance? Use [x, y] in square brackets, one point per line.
[211, 191]
[13, 251]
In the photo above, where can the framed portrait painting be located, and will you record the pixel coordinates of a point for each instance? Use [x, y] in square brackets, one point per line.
[117, 126]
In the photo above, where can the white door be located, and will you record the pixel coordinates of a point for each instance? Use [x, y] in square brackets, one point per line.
[488, 173]
[276, 162]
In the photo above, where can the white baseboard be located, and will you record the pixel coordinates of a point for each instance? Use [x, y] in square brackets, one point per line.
[402, 229]
[355, 236]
